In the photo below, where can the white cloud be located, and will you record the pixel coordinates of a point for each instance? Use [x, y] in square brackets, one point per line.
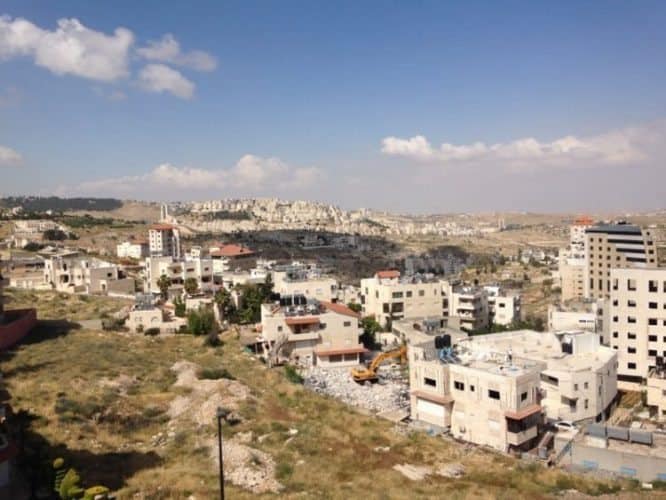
[70, 49]
[167, 50]
[251, 174]
[160, 78]
[74, 49]
[9, 157]
[620, 147]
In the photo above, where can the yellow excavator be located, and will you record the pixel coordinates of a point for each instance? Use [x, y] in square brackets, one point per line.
[369, 374]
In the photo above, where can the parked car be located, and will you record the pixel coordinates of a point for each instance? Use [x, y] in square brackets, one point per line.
[565, 425]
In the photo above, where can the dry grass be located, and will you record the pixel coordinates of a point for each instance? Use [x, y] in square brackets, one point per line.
[99, 397]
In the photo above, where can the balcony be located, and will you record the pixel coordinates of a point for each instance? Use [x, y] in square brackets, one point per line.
[298, 337]
[518, 438]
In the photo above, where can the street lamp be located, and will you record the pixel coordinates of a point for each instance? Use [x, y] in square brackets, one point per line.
[221, 414]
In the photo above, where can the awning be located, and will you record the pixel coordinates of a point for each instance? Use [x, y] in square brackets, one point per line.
[523, 413]
[311, 320]
[333, 352]
[433, 397]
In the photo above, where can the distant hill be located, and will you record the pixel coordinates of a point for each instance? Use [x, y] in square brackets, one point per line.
[42, 204]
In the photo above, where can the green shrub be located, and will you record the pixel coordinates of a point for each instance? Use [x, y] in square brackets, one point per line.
[201, 321]
[283, 470]
[69, 487]
[152, 331]
[293, 375]
[94, 491]
[214, 374]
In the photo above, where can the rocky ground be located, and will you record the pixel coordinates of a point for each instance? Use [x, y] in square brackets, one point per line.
[246, 467]
[391, 392]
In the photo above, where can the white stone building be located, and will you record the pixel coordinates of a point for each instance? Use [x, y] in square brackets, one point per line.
[132, 250]
[313, 332]
[388, 297]
[164, 241]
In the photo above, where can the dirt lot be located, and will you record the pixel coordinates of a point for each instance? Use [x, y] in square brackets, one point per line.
[135, 413]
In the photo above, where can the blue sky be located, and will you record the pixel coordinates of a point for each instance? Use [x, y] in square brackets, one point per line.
[541, 105]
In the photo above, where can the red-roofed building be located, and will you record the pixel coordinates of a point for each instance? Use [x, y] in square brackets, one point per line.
[388, 274]
[229, 256]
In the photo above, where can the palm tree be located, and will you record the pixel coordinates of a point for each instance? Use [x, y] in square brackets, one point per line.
[163, 283]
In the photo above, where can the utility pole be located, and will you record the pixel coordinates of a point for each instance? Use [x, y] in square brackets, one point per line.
[221, 413]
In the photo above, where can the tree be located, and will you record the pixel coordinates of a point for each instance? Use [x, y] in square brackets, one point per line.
[179, 306]
[191, 286]
[54, 235]
[201, 321]
[355, 307]
[370, 328]
[225, 303]
[253, 297]
[163, 283]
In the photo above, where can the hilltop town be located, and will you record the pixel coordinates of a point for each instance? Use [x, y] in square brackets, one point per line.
[543, 353]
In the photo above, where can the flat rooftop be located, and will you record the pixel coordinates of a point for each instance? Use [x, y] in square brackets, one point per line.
[540, 346]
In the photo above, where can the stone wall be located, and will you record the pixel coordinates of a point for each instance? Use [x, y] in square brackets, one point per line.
[17, 324]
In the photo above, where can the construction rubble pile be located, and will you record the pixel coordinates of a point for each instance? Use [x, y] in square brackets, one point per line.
[390, 393]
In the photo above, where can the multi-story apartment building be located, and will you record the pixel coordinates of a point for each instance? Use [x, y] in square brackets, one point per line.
[69, 271]
[389, 297]
[164, 241]
[637, 319]
[503, 308]
[312, 332]
[572, 266]
[178, 271]
[489, 401]
[301, 280]
[615, 245]
[469, 304]
[494, 389]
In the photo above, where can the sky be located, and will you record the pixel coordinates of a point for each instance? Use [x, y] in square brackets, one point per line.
[408, 106]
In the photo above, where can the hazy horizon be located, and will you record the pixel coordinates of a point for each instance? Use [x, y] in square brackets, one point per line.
[418, 108]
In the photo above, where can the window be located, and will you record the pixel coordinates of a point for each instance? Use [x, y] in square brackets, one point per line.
[408, 293]
[631, 366]
[586, 385]
[322, 326]
[471, 388]
[615, 319]
[396, 295]
[279, 328]
[631, 303]
[575, 387]
[614, 335]
[631, 319]
[652, 321]
[346, 323]
[615, 302]
[523, 396]
[652, 305]
[385, 307]
[493, 394]
[631, 350]
[458, 386]
[430, 381]
[631, 285]
[652, 353]
[421, 293]
[586, 404]
[653, 286]
[652, 338]
[631, 336]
